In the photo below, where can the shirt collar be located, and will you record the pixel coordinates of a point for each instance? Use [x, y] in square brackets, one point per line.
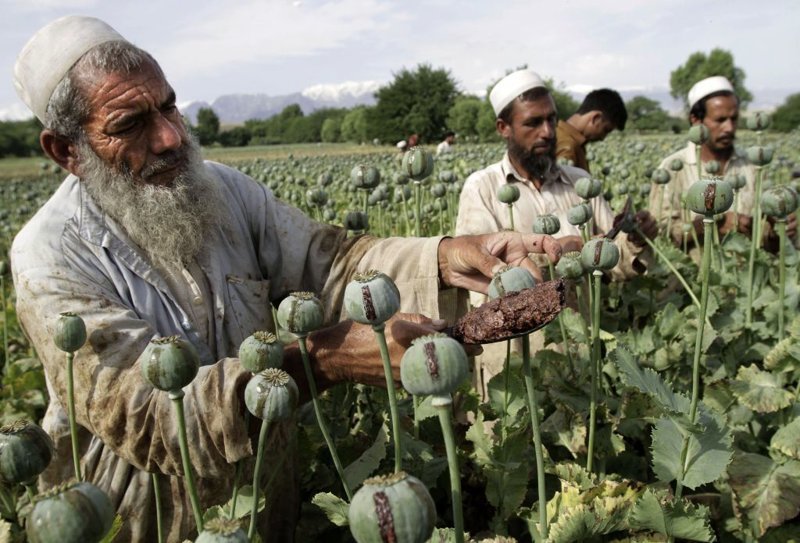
[573, 132]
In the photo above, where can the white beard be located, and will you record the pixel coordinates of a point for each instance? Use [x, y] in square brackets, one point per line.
[170, 224]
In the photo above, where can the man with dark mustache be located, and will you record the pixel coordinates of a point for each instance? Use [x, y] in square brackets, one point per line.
[713, 104]
[526, 119]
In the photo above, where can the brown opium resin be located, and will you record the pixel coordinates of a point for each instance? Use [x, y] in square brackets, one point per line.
[512, 315]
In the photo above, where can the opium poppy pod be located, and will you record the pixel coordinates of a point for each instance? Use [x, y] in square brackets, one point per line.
[271, 395]
[660, 176]
[371, 298]
[579, 214]
[587, 187]
[222, 530]
[676, 165]
[709, 196]
[300, 313]
[169, 363]
[70, 332]
[599, 254]
[510, 279]
[737, 180]
[759, 121]
[356, 220]
[25, 452]
[365, 177]
[779, 202]
[434, 364]
[418, 163]
[546, 224]
[395, 508]
[260, 351]
[508, 193]
[71, 513]
[712, 167]
[760, 155]
[569, 265]
[698, 134]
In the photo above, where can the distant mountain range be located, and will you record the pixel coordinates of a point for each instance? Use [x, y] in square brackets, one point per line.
[236, 108]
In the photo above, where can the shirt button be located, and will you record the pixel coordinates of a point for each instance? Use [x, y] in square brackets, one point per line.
[197, 300]
[186, 325]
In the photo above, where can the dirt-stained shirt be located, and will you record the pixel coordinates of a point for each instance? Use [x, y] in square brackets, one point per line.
[71, 257]
[571, 145]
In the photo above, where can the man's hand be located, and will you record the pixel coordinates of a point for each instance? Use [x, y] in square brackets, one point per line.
[470, 261]
[646, 224]
[348, 351]
[729, 221]
[570, 244]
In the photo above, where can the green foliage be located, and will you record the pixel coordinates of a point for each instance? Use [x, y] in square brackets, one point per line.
[767, 492]
[416, 101]
[334, 507]
[354, 125]
[207, 128]
[648, 115]
[465, 115]
[654, 511]
[787, 116]
[761, 391]
[699, 66]
[20, 138]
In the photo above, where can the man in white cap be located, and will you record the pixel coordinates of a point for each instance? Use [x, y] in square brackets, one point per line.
[146, 240]
[526, 119]
[713, 104]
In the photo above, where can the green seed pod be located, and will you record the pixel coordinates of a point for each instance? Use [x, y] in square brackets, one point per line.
[418, 163]
[356, 221]
[698, 134]
[25, 452]
[365, 177]
[71, 513]
[70, 333]
[546, 224]
[317, 197]
[222, 530]
[676, 165]
[260, 351]
[300, 313]
[508, 193]
[736, 180]
[396, 508]
[712, 167]
[324, 179]
[169, 363]
[569, 265]
[588, 188]
[599, 254]
[434, 364]
[661, 176]
[779, 202]
[438, 190]
[271, 395]
[447, 176]
[760, 156]
[371, 298]
[579, 214]
[644, 190]
[709, 196]
[401, 179]
[759, 121]
[621, 188]
[510, 279]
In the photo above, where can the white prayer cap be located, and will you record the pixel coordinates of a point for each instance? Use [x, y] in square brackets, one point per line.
[707, 86]
[51, 52]
[511, 86]
[401, 144]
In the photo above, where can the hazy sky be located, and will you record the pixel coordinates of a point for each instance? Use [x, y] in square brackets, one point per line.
[210, 48]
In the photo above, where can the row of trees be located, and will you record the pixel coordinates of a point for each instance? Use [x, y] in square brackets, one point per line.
[426, 101]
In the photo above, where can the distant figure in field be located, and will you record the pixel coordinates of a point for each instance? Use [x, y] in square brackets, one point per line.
[445, 145]
[413, 140]
[601, 112]
[713, 103]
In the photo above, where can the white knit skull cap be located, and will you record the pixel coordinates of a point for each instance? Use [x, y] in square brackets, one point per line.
[51, 52]
[707, 86]
[511, 86]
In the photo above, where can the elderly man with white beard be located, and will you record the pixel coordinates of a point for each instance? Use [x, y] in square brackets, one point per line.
[146, 240]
